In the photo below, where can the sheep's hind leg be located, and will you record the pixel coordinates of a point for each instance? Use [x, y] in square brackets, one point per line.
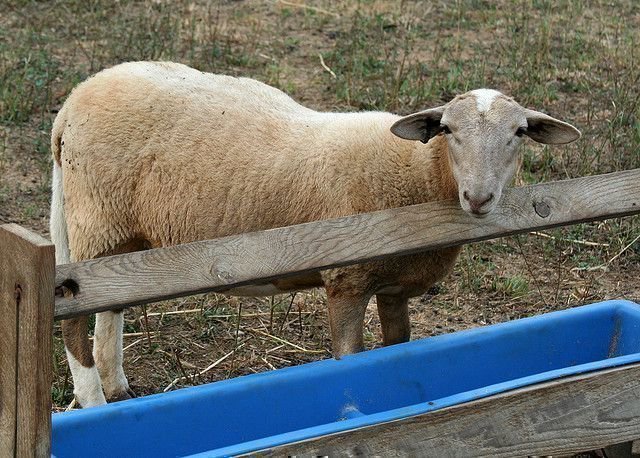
[107, 341]
[86, 380]
[107, 351]
[394, 318]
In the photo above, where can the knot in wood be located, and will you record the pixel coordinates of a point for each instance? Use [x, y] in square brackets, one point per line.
[17, 293]
[222, 275]
[542, 209]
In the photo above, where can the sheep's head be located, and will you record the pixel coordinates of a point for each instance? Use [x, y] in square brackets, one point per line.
[483, 129]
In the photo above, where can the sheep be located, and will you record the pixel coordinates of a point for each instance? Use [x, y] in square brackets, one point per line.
[152, 154]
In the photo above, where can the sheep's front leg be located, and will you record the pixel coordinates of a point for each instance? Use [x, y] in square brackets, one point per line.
[86, 380]
[394, 318]
[107, 351]
[346, 318]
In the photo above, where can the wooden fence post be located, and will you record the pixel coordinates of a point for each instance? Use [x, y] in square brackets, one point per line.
[27, 277]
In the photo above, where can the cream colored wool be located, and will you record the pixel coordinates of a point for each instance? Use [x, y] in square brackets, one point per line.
[157, 154]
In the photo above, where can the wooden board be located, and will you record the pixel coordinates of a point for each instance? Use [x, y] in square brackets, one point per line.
[565, 416]
[8, 350]
[27, 270]
[137, 278]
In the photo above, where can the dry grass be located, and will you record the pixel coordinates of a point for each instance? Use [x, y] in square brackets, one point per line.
[575, 60]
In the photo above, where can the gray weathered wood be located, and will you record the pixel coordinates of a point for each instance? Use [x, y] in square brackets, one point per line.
[27, 272]
[8, 351]
[570, 415]
[137, 278]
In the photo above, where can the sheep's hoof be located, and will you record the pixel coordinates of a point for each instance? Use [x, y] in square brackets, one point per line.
[121, 396]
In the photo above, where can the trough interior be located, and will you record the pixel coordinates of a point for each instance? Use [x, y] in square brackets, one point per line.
[249, 408]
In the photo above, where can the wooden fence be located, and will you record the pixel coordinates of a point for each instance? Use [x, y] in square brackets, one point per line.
[27, 288]
[27, 271]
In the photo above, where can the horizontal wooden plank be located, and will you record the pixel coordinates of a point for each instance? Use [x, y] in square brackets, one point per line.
[215, 265]
[565, 416]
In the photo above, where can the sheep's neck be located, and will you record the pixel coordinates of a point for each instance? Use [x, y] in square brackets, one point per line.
[375, 170]
[433, 168]
[429, 175]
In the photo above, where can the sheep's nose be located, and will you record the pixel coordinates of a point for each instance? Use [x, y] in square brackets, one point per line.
[477, 202]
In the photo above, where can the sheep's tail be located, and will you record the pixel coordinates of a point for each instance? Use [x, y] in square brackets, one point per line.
[58, 223]
[56, 135]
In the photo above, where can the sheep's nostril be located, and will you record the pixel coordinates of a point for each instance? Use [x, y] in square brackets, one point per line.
[489, 199]
[465, 195]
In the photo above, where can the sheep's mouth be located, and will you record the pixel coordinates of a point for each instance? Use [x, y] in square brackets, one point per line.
[480, 214]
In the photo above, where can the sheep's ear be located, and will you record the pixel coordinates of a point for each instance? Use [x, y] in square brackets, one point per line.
[548, 130]
[419, 126]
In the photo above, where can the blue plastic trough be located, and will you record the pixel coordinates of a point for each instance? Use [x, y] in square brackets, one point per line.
[288, 405]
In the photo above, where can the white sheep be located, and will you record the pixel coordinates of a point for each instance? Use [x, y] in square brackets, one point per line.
[149, 154]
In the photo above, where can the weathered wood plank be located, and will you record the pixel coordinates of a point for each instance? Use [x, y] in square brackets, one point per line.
[27, 273]
[8, 348]
[570, 415]
[137, 278]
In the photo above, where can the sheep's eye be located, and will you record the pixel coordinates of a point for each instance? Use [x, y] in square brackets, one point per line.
[520, 132]
[445, 129]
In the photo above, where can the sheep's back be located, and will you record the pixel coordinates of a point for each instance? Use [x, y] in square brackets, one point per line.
[184, 155]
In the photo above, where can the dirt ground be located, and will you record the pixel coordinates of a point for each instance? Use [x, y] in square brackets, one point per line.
[576, 61]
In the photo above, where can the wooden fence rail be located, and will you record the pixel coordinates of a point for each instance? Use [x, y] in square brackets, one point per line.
[215, 265]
